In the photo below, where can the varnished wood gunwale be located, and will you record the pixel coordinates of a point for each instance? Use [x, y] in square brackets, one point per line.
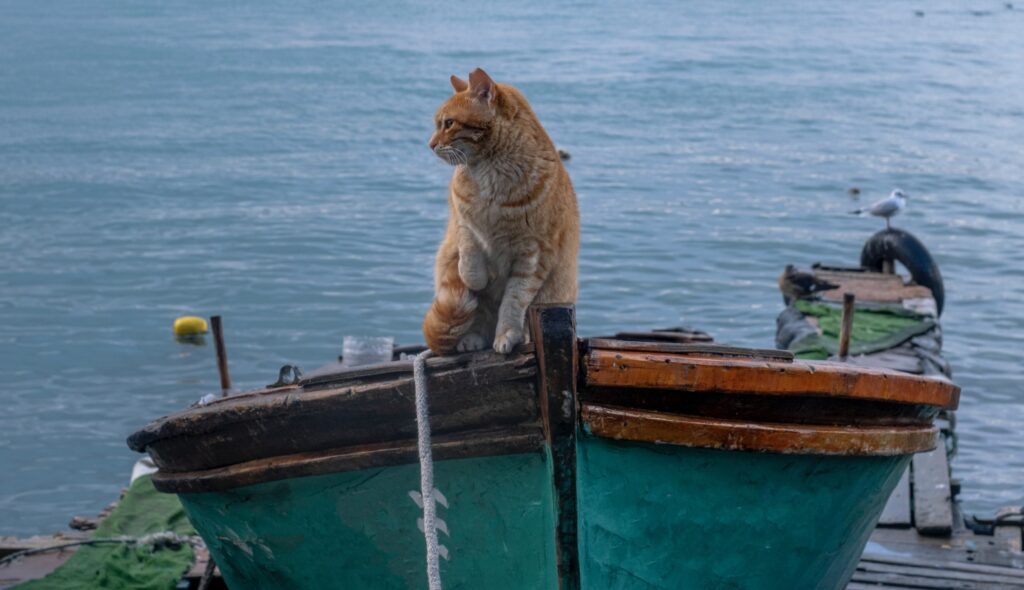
[692, 431]
[703, 373]
[522, 439]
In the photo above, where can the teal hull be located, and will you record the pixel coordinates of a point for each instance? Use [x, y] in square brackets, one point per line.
[659, 516]
[358, 529]
[650, 517]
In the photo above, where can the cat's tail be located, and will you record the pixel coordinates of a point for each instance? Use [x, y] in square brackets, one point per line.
[450, 317]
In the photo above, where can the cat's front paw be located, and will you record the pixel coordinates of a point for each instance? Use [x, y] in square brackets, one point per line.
[471, 343]
[508, 339]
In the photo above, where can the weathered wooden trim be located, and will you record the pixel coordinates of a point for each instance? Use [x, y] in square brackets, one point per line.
[553, 329]
[484, 395]
[448, 447]
[695, 349]
[335, 374]
[488, 368]
[788, 409]
[692, 431]
[665, 336]
[694, 373]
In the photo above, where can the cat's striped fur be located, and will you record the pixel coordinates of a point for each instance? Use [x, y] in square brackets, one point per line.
[513, 226]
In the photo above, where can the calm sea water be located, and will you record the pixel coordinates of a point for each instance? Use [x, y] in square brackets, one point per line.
[269, 163]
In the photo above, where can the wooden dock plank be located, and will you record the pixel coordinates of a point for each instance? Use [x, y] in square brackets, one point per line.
[947, 559]
[939, 571]
[870, 286]
[897, 509]
[911, 581]
[933, 510]
[1007, 530]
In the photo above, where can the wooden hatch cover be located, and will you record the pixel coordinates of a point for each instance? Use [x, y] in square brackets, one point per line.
[712, 396]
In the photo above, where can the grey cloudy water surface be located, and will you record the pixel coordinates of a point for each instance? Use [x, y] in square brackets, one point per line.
[269, 163]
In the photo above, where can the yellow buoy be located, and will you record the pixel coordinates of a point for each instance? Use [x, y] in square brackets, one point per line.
[190, 325]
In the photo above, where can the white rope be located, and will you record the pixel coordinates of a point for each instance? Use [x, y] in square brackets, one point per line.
[419, 373]
[158, 540]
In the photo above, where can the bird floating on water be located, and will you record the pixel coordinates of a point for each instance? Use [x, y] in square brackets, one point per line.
[887, 207]
[801, 284]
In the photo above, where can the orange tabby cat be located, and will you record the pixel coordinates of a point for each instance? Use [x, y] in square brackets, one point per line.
[513, 226]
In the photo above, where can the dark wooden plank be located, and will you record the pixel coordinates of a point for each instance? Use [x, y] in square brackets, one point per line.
[933, 509]
[893, 360]
[757, 408]
[910, 581]
[335, 374]
[388, 376]
[553, 330]
[1008, 528]
[949, 564]
[668, 335]
[941, 572]
[488, 395]
[897, 509]
[675, 347]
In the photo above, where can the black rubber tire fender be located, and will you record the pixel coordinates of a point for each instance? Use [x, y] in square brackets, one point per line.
[897, 244]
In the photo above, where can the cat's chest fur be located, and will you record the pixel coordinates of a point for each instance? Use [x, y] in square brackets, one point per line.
[483, 209]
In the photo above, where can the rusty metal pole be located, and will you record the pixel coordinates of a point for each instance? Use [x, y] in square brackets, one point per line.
[225, 387]
[222, 355]
[846, 327]
[888, 266]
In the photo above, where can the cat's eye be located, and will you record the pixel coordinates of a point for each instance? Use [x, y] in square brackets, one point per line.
[448, 123]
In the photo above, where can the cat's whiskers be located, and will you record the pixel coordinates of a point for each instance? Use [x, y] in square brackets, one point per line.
[453, 155]
[461, 156]
[444, 152]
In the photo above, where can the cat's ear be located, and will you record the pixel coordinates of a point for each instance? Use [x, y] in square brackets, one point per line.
[459, 84]
[481, 85]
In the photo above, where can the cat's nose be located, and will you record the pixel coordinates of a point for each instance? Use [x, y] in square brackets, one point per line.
[433, 143]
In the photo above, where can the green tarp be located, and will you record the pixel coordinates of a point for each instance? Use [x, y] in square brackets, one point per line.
[874, 330]
[141, 511]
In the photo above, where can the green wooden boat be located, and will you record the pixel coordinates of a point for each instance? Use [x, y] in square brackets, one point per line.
[597, 464]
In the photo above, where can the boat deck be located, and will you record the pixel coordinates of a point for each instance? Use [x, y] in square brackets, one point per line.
[922, 541]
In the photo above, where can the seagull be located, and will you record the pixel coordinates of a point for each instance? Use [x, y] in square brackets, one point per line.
[800, 284]
[887, 207]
